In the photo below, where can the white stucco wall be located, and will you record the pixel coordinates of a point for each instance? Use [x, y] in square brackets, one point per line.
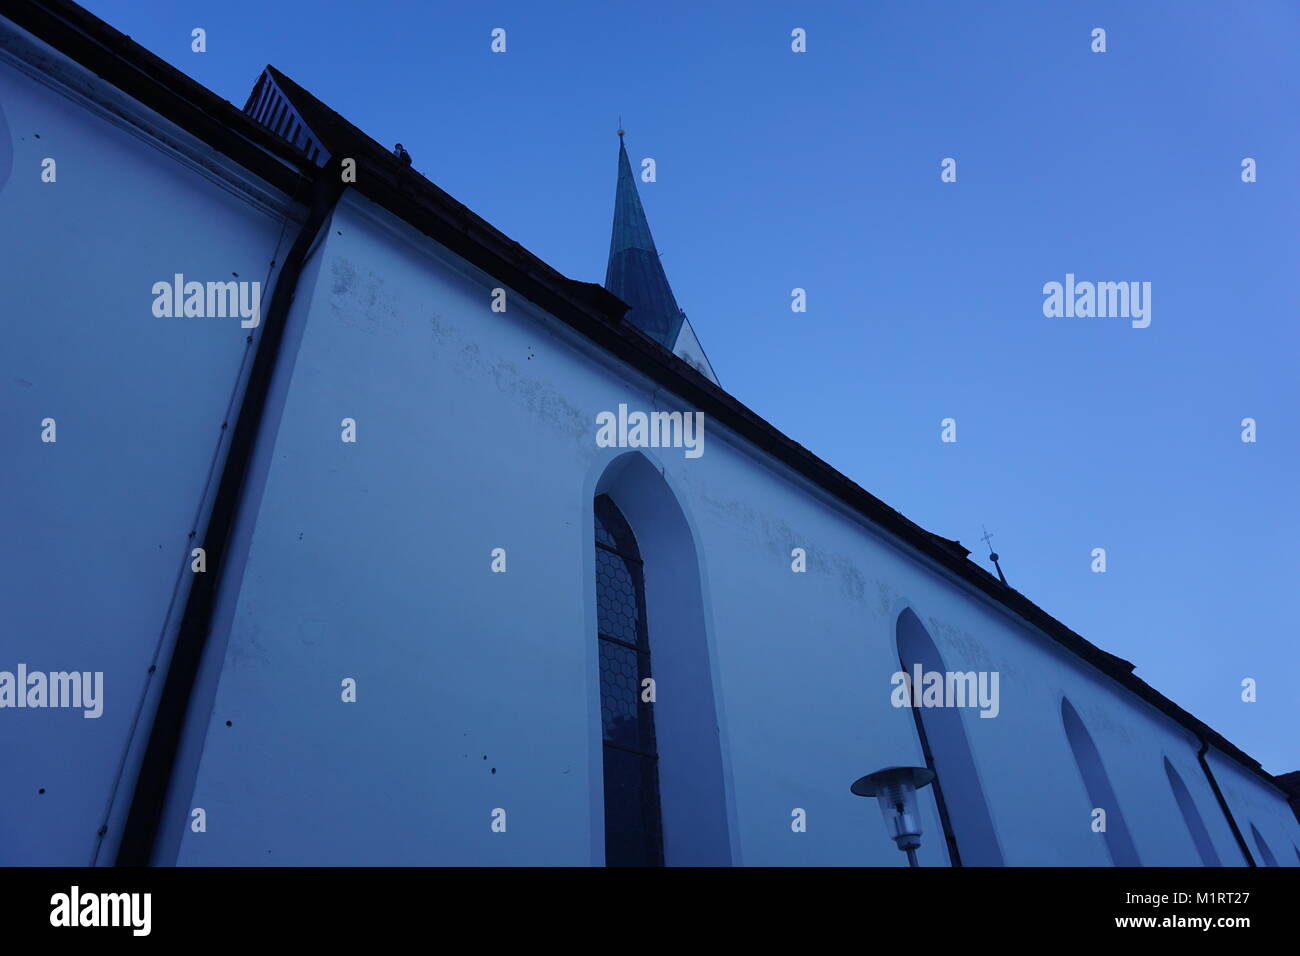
[96, 525]
[1252, 804]
[476, 691]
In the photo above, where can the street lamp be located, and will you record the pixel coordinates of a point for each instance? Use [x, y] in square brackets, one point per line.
[895, 788]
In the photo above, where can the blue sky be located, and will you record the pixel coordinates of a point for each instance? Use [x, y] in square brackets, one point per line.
[821, 170]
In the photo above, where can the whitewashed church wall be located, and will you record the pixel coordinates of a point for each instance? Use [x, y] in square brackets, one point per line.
[178, 814]
[1254, 805]
[371, 561]
[825, 660]
[97, 521]
[476, 691]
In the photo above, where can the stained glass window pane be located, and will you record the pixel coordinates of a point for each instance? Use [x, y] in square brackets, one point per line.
[631, 774]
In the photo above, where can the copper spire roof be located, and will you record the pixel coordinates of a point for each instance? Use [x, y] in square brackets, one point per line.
[634, 273]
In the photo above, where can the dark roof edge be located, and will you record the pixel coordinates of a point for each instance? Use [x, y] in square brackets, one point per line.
[84, 38]
[586, 307]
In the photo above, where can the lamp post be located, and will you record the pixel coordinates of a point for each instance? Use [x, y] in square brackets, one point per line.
[895, 788]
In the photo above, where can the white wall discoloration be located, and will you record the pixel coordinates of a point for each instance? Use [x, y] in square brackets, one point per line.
[475, 445]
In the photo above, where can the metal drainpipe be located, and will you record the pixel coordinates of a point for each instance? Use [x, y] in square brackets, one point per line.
[1223, 804]
[140, 834]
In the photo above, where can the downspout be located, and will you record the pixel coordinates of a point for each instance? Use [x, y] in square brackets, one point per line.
[1223, 804]
[141, 830]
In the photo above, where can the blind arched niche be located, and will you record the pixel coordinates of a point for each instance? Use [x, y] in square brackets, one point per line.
[1192, 817]
[1265, 851]
[963, 809]
[1097, 784]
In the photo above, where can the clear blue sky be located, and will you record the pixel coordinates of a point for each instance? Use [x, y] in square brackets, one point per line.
[821, 170]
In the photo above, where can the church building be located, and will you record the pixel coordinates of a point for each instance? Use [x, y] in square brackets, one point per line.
[374, 540]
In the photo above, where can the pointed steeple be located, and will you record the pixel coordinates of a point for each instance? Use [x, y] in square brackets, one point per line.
[635, 273]
[636, 276]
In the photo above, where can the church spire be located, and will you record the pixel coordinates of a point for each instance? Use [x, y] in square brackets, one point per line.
[634, 273]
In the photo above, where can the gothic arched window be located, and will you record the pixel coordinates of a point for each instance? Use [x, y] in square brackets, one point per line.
[633, 834]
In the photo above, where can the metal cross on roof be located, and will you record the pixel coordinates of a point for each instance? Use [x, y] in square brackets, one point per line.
[993, 555]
